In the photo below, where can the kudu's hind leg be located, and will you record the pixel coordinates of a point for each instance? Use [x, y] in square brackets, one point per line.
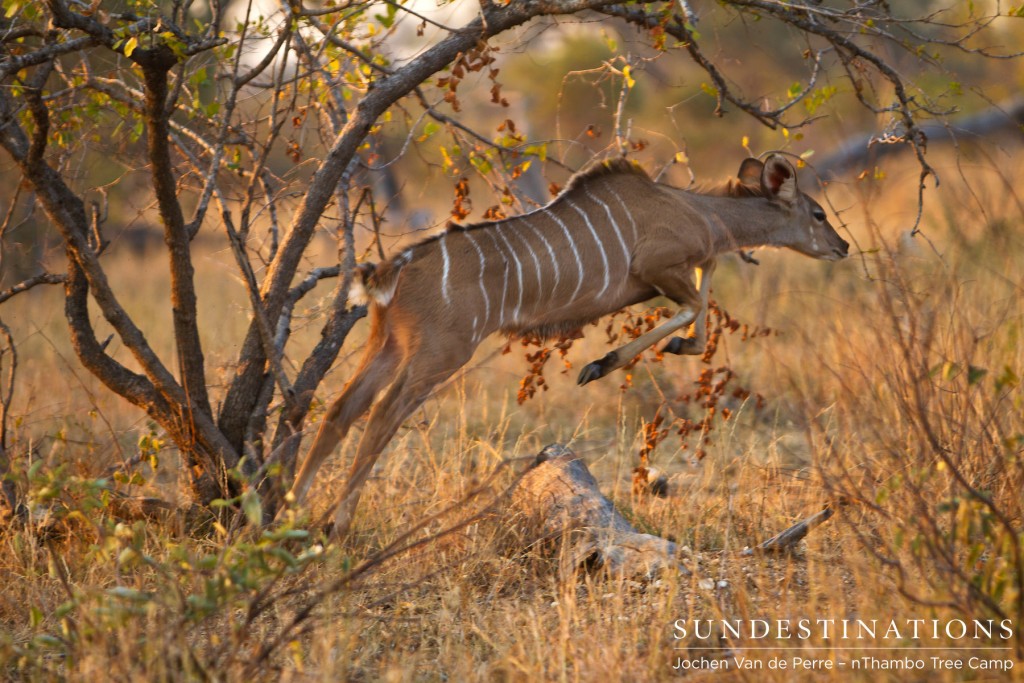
[373, 375]
[414, 384]
[694, 343]
[677, 286]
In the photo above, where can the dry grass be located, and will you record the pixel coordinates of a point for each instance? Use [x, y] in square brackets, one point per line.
[873, 400]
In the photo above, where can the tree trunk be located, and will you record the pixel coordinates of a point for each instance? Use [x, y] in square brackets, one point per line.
[558, 500]
[10, 506]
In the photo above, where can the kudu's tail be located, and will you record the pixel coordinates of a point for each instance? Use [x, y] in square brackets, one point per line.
[377, 283]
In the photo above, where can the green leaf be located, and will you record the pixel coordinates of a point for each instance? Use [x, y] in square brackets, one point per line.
[252, 508]
[429, 128]
[63, 609]
[974, 374]
[1007, 378]
[283, 534]
[46, 640]
[540, 151]
[284, 556]
[207, 562]
[481, 164]
[387, 20]
[126, 593]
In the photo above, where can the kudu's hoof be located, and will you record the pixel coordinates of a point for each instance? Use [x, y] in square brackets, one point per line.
[597, 369]
[682, 346]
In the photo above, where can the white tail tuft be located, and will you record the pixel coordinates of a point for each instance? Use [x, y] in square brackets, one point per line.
[377, 283]
[357, 294]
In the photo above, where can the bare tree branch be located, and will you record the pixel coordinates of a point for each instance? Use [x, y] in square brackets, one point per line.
[35, 280]
[176, 235]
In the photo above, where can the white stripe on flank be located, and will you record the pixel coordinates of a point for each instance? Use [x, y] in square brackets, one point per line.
[547, 245]
[533, 255]
[600, 245]
[519, 273]
[483, 290]
[615, 226]
[444, 270]
[575, 251]
[504, 285]
[628, 214]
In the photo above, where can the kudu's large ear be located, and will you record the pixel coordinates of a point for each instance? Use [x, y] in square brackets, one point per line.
[778, 179]
[750, 172]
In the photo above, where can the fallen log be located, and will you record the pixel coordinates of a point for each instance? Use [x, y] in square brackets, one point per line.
[558, 500]
[863, 152]
[786, 540]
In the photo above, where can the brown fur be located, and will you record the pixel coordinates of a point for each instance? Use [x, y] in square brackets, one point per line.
[601, 169]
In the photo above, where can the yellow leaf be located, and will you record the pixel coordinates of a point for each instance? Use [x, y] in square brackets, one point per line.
[130, 46]
[626, 73]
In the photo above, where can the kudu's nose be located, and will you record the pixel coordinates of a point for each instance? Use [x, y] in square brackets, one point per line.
[844, 250]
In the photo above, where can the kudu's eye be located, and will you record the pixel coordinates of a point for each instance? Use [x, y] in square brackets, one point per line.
[819, 214]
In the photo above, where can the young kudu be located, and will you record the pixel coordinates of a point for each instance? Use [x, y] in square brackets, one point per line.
[613, 238]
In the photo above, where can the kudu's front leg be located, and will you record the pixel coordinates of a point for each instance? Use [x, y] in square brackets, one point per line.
[677, 286]
[693, 344]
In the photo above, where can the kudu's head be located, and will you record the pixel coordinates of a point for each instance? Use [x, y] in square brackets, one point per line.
[808, 230]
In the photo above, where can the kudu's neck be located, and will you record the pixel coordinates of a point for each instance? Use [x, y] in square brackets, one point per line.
[738, 222]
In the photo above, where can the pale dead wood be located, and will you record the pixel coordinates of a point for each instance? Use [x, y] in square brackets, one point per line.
[559, 500]
[786, 540]
[861, 153]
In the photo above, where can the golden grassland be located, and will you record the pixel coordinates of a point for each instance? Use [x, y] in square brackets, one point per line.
[890, 391]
